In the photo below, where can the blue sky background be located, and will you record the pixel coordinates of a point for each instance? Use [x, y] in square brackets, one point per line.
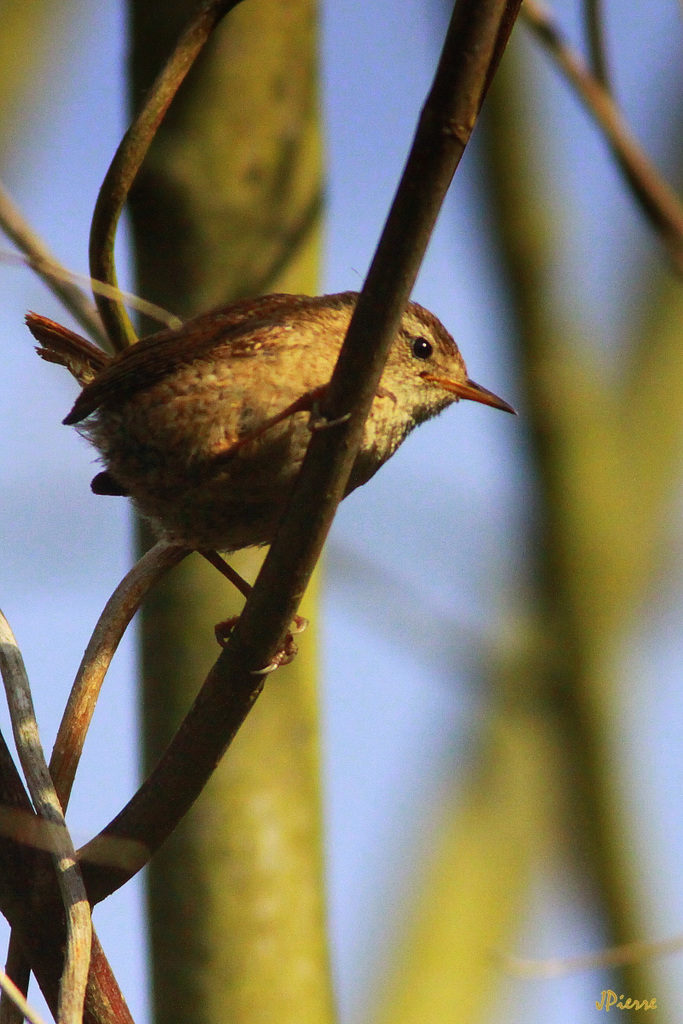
[443, 524]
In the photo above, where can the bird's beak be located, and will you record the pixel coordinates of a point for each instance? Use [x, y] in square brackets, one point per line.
[469, 390]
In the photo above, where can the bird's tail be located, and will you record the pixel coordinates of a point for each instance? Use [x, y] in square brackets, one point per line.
[58, 344]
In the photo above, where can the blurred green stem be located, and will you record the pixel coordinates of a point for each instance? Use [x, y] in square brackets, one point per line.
[228, 200]
[593, 548]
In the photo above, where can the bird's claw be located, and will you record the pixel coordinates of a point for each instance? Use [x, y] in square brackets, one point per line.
[287, 652]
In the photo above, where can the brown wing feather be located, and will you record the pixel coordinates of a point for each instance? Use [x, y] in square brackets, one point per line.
[242, 326]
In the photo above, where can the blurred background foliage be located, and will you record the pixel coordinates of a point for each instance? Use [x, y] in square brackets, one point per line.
[501, 608]
[26, 68]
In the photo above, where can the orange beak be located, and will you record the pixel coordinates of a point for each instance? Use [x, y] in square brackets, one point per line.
[471, 391]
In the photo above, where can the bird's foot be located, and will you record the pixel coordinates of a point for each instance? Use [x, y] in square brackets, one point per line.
[287, 652]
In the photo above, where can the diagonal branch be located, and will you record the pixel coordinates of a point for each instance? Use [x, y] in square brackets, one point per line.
[55, 276]
[17, 997]
[63, 282]
[654, 195]
[476, 37]
[593, 17]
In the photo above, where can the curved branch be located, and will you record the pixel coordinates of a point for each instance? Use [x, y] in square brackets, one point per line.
[128, 159]
[117, 613]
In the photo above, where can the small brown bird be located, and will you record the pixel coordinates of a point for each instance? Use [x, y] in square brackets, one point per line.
[205, 426]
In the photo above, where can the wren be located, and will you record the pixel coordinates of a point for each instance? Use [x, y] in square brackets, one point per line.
[205, 426]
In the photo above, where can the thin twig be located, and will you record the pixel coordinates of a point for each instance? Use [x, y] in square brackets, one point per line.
[50, 270]
[475, 39]
[656, 198]
[117, 613]
[25, 729]
[17, 997]
[128, 159]
[60, 273]
[595, 32]
[616, 956]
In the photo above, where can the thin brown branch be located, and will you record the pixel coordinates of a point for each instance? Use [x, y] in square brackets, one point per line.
[653, 194]
[25, 729]
[595, 33]
[128, 159]
[56, 277]
[477, 33]
[117, 613]
[104, 1002]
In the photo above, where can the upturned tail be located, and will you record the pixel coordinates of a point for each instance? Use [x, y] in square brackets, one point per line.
[58, 344]
[83, 360]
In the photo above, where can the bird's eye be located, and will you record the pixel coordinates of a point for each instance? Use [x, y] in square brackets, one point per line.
[422, 349]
